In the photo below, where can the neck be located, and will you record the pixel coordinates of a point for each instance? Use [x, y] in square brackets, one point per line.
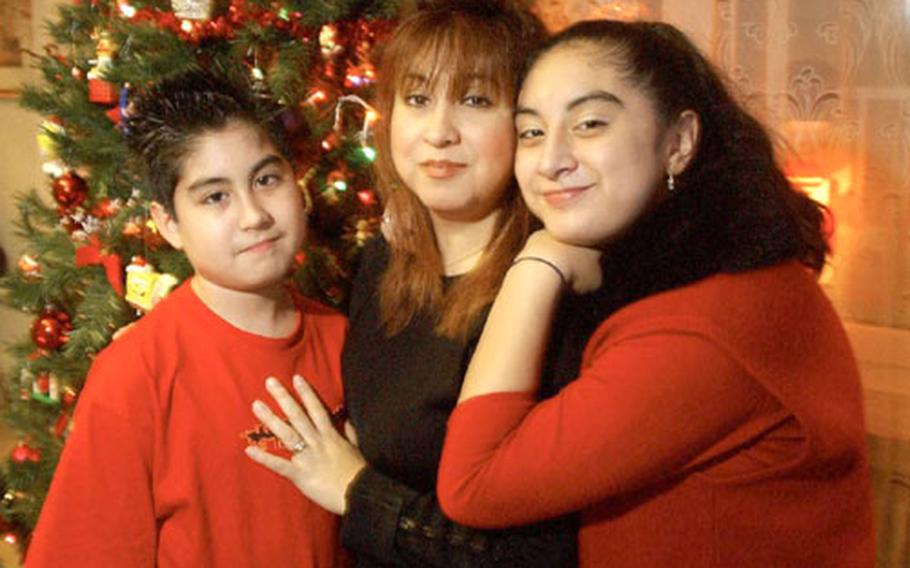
[462, 243]
[268, 312]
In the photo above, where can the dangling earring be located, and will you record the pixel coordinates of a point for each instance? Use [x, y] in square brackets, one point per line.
[671, 183]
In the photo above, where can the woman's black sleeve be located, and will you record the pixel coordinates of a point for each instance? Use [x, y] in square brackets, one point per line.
[389, 523]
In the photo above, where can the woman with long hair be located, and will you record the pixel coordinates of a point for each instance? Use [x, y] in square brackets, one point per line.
[717, 418]
[445, 144]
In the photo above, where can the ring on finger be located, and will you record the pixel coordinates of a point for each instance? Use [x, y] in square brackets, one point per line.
[298, 447]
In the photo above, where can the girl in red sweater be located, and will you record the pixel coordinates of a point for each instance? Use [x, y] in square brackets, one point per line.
[717, 417]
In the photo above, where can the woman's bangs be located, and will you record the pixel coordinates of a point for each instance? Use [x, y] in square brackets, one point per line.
[465, 59]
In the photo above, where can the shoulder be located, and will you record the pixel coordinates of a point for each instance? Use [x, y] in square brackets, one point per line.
[130, 364]
[374, 258]
[372, 263]
[782, 294]
[775, 321]
[325, 320]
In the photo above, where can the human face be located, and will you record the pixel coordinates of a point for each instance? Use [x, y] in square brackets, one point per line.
[454, 153]
[591, 152]
[239, 215]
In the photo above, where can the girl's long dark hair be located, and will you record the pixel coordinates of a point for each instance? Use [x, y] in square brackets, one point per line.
[733, 208]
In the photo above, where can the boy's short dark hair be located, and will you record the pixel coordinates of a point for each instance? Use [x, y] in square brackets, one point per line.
[167, 116]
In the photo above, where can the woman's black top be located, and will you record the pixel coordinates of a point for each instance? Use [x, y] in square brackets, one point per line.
[400, 391]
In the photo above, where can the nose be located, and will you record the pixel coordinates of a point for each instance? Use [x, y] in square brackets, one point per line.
[557, 157]
[441, 130]
[253, 216]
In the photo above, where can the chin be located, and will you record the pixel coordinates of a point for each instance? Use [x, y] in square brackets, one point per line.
[572, 234]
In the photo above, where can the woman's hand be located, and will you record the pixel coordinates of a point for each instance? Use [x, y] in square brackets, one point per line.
[324, 463]
[579, 265]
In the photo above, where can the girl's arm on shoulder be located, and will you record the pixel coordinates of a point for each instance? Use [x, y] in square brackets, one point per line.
[511, 348]
[645, 410]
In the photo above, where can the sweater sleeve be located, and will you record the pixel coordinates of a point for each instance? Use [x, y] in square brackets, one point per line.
[391, 524]
[99, 509]
[645, 409]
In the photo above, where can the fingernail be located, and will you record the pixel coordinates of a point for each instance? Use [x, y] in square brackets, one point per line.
[298, 381]
[258, 405]
[271, 382]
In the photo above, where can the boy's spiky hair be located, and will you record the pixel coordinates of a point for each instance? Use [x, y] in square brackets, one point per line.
[166, 117]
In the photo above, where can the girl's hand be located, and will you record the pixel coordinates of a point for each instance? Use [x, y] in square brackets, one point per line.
[579, 265]
[324, 463]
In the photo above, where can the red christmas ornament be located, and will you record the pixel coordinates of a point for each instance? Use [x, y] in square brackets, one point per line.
[8, 532]
[24, 453]
[105, 208]
[51, 329]
[60, 425]
[300, 258]
[69, 396]
[70, 191]
[70, 224]
[367, 197]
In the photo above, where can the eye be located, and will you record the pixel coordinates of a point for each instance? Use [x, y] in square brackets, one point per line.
[417, 100]
[479, 101]
[267, 180]
[215, 198]
[530, 133]
[591, 124]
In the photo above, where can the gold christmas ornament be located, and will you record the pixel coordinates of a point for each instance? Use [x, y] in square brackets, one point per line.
[193, 9]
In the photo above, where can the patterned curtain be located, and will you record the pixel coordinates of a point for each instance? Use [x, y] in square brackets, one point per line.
[831, 78]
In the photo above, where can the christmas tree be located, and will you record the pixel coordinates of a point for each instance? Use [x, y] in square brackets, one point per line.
[95, 261]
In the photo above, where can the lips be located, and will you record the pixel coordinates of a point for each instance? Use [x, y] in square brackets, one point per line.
[261, 246]
[564, 195]
[441, 169]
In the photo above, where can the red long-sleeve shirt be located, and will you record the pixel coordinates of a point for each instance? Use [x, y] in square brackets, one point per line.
[154, 472]
[719, 424]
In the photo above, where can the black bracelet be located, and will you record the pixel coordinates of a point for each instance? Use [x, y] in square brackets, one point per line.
[552, 265]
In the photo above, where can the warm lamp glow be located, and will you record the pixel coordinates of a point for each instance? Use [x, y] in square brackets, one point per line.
[816, 187]
[819, 189]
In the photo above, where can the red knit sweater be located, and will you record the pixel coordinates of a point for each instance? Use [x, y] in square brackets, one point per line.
[719, 424]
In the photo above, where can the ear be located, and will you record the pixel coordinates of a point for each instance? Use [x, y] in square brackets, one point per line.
[682, 142]
[167, 224]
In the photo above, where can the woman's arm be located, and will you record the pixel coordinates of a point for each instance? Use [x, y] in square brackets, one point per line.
[387, 521]
[392, 524]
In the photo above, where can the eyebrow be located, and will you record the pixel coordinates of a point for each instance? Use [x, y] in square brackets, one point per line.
[599, 95]
[417, 79]
[264, 162]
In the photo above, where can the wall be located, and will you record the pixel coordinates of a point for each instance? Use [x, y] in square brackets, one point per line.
[20, 171]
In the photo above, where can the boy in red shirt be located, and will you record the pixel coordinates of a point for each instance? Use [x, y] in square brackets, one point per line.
[153, 473]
